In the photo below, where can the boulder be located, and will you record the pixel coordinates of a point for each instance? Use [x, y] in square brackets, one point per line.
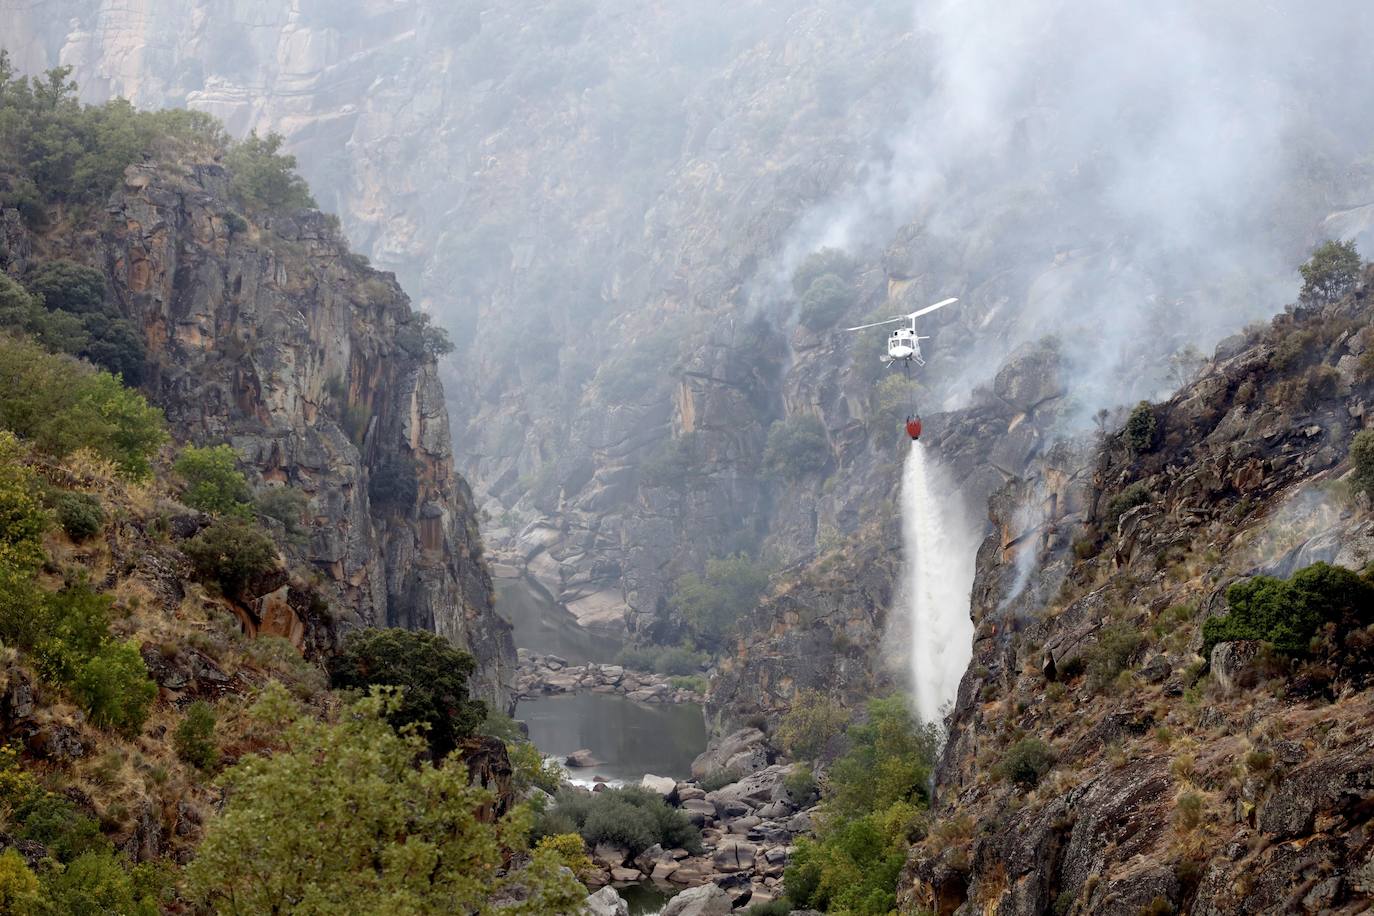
[744, 751]
[1233, 665]
[692, 871]
[646, 859]
[581, 758]
[661, 785]
[734, 857]
[699, 811]
[605, 902]
[663, 869]
[706, 900]
[626, 875]
[744, 824]
[610, 855]
[686, 791]
[755, 790]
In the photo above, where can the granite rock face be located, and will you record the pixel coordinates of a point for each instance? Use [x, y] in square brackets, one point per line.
[268, 334]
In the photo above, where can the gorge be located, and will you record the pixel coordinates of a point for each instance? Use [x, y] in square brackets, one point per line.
[665, 500]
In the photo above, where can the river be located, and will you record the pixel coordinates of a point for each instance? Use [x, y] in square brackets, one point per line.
[628, 739]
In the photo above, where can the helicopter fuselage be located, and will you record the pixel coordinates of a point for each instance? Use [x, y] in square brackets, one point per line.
[904, 344]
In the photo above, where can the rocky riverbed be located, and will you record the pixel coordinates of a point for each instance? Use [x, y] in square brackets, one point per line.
[747, 828]
[544, 675]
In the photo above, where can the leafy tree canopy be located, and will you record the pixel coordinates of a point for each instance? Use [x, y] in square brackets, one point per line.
[1288, 613]
[1333, 271]
[712, 603]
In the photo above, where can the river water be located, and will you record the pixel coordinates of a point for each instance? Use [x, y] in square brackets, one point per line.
[628, 739]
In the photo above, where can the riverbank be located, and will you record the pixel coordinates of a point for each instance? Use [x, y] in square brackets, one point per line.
[549, 674]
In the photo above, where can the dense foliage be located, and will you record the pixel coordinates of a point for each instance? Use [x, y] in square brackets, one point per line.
[813, 721]
[265, 177]
[1288, 613]
[213, 480]
[825, 302]
[712, 603]
[361, 823]
[1362, 458]
[796, 447]
[432, 672]
[1141, 427]
[61, 405]
[631, 817]
[1332, 271]
[231, 553]
[871, 809]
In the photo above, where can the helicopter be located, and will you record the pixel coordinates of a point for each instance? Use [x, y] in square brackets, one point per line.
[904, 346]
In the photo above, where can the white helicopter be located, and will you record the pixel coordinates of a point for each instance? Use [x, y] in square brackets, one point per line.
[904, 344]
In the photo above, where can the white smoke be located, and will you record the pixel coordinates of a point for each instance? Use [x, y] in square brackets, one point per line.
[940, 547]
[1131, 177]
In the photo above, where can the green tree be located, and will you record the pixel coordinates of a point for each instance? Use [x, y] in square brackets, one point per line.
[1287, 613]
[1332, 271]
[814, 719]
[1141, 427]
[711, 604]
[825, 302]
[214, 483]
[797, 446]
[18, 886]
[68, 286]
[94, 884]
[194, 738]
[1362, 457]
[825, 262]
[266, 177]
[61, 405]
[361, 824]
[114, 688]
[231, 553]
[1026, 762]
[432, 673]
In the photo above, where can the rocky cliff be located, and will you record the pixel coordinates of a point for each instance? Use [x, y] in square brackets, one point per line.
[1170, 782]
[264, 331]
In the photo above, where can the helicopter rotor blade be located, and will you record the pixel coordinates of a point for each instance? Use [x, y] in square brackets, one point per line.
[930, 308]
[877, 323]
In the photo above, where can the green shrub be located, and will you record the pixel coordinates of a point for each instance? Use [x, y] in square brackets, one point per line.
[1362, 458]
[114, 689]
[631, 817]
[61, 405]
[639, 658]
[1141, 428]
[719, 779]
[1332, 271]
[695, 683]
[395, 483]
[796, 447]
[679, 661]
[79, 514]
[419, 337]
[801, 785]
[432, 672]
[262, 176]
[231, 553]
[1287, 614]
[825, 262]
[1137, 494]
[115, 345]
[712, 603]
[1116, 643]
[95, 883]
[814, 719]
[18, 885]
[68, 286]
[194, 738]
[286, 505]
[214, 484]
[780, 907]
[1026, 762]
[825, 302]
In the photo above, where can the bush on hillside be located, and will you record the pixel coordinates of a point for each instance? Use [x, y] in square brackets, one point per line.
[60, 405]
[394, 483]
[1141, 428]
[288, 506]
[264, 177]
[79, 514]
[1025, 763]
[796, 447]
[825, 262]
[68, 286]
[360, 823]
[194, 738]
[712, 603]
[1288, 613]
[114, 688]
[231, 553]
[214, 483]
[1116, 643]
[1137, 494]
[1332, 271]
[432, 673]
[679, 661]
[825, 302]
[814, 719]
[1362, 458]
[630, 817]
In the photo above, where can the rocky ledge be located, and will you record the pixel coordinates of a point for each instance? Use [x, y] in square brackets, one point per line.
[541, 675]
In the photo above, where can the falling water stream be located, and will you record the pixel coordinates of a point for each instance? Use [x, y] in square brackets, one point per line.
[940, 547]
